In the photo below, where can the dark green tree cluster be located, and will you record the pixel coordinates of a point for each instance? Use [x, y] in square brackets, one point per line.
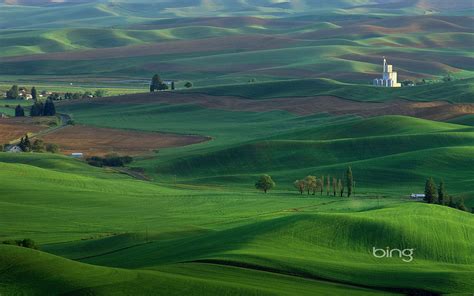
[25, 144]
[26, 243]
[34, 93]
[265, 183]
[38, 145]
[157, 83]
[19, 111]
[438, 195]
[13, 93]
[40, 109]
[112, 160]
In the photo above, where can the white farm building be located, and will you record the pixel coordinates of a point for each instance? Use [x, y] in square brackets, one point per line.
[389, 77]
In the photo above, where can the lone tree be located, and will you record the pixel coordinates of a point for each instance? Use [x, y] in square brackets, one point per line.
[461, 206]
[299, 185]
[441, 193]
[188, 84]
[172, 85]
[334, 186]
[13, 92]
[34, 93]
[340, 185]
[37, 109]
[311, 184]
[349, 181]
[328, 185]
[38, 146]
[157, 83]
[265, 183]
[19, 111]
[25, 144]
[322, 184]
[49, 108]
[430, 191]
[451, 202]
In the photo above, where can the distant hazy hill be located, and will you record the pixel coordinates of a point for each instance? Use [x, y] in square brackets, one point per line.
[265, 6]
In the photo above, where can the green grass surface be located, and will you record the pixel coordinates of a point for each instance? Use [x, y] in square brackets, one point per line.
[456, 91]
[344, 46]
[265, 243]
[199, 227]
[393, 154]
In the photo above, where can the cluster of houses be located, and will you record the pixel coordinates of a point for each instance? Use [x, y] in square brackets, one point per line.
[23, 94]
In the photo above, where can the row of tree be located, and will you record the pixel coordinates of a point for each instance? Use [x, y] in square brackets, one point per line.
[312, 184]
[40, 109]
[334, 186]
[438, 195]
[37, 146]
[37, 109]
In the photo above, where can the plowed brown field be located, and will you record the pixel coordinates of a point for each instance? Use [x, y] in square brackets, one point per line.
[100, 141]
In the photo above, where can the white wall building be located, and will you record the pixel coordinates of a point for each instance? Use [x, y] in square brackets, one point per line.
[389, 78]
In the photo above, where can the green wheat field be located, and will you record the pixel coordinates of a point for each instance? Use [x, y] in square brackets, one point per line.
[279, 88]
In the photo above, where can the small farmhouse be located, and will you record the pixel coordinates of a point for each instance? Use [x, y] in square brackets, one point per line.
[13, 149]
[77, 155]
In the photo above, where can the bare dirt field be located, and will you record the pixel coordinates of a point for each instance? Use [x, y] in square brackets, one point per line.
[436, 110]
[100, 141]
[16, 127]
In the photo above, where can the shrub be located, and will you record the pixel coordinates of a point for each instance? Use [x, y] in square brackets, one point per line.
[26, 243]
[52, 148]
[38, 146]
[112, 160]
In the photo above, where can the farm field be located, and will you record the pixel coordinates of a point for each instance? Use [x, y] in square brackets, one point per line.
[101, 141]
[14, 128]
[260, 87]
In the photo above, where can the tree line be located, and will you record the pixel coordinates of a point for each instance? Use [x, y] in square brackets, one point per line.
[25, 243]
[312, 184]
[334, 186]
[438, 195]
[37, 109]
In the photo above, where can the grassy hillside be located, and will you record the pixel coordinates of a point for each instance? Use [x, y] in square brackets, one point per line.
[279, 88]
[455, 91]
[184, 239]
[392, 154]
[210, 50]
[51, 274]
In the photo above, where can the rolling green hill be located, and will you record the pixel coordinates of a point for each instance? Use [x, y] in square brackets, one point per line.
[396, 153]
[192, 240]
[279, 88]
[113, 41]
[455, 91]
